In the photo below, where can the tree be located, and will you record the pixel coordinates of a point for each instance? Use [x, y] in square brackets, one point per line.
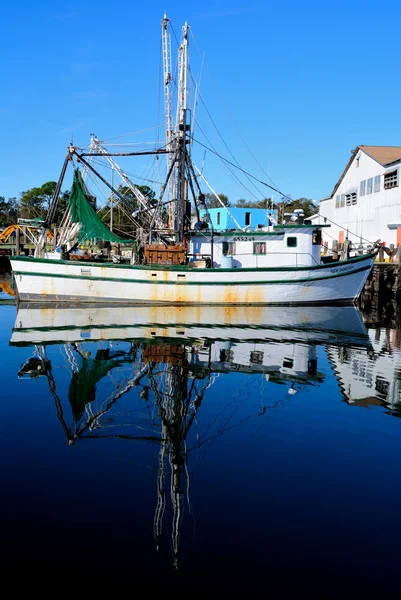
[122, 210]
[212, 202]
[62, 204]
[265, 203]
[36, 202]
[288, 206]
[9, 210]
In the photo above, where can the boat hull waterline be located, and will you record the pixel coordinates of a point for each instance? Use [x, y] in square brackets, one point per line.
[59, 280]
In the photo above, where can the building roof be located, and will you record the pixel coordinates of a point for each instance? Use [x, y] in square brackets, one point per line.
[384, 155]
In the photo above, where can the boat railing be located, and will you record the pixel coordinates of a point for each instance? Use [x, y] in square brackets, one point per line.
[297, 259]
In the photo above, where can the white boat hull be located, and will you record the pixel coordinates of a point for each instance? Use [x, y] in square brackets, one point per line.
[55, 281]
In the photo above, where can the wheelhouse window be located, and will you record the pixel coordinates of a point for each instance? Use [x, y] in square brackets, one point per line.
[247, 218]
[391, 180]
[317, 237]
[337, 201]
[351, 198]
[376, 187]
[218, 218]
[226, 355]
[362, 188]
[369, 185]
[256, 357]
[292, 242]
[259, 247]
[228, 248]
[342, 203]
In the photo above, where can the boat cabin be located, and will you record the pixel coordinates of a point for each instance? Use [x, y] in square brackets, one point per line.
[276, 246]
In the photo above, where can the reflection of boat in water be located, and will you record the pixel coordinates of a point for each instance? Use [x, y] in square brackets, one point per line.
[37, 323]
[149, 385]
[7, 284]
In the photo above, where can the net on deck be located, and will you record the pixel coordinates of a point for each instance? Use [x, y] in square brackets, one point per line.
[82, 212]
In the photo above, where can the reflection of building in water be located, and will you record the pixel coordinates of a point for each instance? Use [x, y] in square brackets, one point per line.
[372, 376]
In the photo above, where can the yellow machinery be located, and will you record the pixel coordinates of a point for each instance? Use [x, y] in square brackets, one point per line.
[5, 235]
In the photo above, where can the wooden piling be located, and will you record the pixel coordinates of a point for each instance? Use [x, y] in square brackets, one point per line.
[17, 242]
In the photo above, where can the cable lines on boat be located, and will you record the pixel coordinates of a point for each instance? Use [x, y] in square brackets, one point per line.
[274, 189]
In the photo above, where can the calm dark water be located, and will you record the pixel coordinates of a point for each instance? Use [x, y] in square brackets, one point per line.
[244, 457]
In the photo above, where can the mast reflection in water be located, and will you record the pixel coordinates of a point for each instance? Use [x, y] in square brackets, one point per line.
[167, 358]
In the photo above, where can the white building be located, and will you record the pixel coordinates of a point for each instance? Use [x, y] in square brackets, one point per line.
[365, 204]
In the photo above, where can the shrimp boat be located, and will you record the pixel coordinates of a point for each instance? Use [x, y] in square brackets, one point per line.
[173, 257]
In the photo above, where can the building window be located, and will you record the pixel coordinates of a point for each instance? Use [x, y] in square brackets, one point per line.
[376, 187]
[292, 242]
[259, 247]
[351, 198]
[369, 185]
[362, 188]
[228, 248]
[337, 201]
[247, 218]
[390, 180]
[218, 218]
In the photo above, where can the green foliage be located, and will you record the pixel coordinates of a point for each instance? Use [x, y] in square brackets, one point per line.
[265, 203]
[123, 221]
[36, 201]
[9, 211]
[61, 206]
[212, 202]
[33, 203]
[306, 204]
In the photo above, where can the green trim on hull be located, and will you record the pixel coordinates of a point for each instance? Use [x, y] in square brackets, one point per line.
[189, 326]
[201, 283]
[189, 269]
[90, 300]
[236, 232]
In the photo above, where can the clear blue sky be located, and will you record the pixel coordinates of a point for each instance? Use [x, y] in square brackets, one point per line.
[304, 83]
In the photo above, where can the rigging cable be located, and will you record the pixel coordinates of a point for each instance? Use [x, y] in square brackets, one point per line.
[245, 172]
[222, 139]
[348, 230]
[231, 119]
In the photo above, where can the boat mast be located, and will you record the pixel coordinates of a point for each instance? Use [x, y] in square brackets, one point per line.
[176, 135]
[40, 248]
[168, 77]
[184, 125]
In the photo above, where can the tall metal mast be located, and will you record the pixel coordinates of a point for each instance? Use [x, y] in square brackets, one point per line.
[168, 78]
[184, 125]
[176, 135]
